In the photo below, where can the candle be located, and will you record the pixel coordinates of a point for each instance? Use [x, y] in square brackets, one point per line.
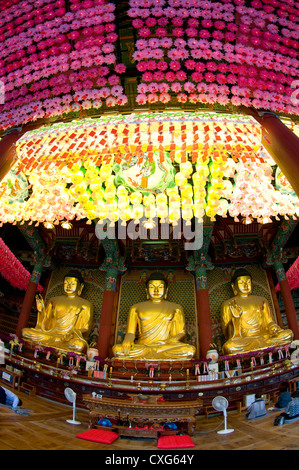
[187, 371]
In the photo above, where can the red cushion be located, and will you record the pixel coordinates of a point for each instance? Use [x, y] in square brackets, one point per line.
[98, 435]
[174, 442]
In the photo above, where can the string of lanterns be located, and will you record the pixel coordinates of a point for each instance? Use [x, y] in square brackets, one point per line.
[165, 165]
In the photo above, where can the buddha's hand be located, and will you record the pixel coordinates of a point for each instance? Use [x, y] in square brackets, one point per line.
[127, 346]
[235, 309]
[176, 338]
[67, 337]
[39, 303]
[273, 329]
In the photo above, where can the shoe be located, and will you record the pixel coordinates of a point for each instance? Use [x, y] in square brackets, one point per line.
[279, 420]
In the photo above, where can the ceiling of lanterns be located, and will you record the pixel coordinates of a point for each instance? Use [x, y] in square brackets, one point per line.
[167, 165]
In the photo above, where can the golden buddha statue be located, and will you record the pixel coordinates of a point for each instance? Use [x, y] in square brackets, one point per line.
[160, 326]
[66, 320]
[247, 321]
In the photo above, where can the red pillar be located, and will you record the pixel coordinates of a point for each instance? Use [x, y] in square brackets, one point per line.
[106, 320]
[204, 323]
[287, 298]
[7, 153]
[289, 307]
[7, 145]
[28, 300]
[282, 144]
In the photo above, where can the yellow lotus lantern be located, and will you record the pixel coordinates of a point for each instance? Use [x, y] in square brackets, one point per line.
[175, 200]
[83, 198]
[211, 210]
[123, 203]
[199, 208]
[109, 194]
[174, 214]
[186, 168]
[97, 191]
[124, 215]
[149, 199]
[136, 198]
[78, 189]
[187, 215]
[75, 167]
[77, 178]
[105, 171]
[112, 210]
[100, 208]
[162, 206]
[174, 191]
[180, 179]
[150, 210]
[187, 190]
[88, 205]
[122, 191]
[92, 176]
[137, 212]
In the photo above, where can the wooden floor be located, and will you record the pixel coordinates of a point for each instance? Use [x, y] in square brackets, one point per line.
[46, 429]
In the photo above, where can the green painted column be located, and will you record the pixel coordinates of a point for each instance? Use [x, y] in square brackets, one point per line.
[105, 327]
[203, 310]
[42, 260]
[113, 265]
[200, 264]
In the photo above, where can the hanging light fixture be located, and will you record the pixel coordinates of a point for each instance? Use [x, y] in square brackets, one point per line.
[48, 225]
[149, 224]
[66, 224]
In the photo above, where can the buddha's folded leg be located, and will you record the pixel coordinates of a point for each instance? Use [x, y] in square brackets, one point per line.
[176, 351]
[242, 345]
[77, 344]
[35, 335]
[283, 337]
[138, 351]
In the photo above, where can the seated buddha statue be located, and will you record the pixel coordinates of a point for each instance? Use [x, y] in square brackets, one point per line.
[247, 321]
[65, 322]
[159, 326]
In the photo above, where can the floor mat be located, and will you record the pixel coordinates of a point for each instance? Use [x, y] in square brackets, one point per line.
[98, 435]
[174, 442]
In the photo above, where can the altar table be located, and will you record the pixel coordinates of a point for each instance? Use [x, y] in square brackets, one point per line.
[143, 412]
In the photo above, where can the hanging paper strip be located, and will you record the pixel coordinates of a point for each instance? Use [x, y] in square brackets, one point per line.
[102, 139]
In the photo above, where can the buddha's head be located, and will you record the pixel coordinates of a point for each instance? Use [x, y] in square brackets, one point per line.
[73, 283]
[156, 287]
[242, 282]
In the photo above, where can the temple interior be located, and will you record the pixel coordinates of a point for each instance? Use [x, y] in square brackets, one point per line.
[149, 162]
